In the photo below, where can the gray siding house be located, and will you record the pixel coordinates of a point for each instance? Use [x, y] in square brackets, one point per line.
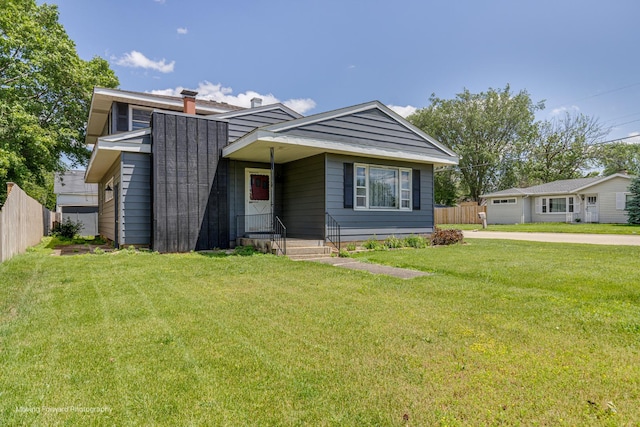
[189, 178]
[597, 199]
[77, 200]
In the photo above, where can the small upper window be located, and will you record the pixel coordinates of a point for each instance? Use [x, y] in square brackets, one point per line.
[511, 201]
[140, 118]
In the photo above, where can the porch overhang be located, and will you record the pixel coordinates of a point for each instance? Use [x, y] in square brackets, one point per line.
[107, 149]
[256, 146]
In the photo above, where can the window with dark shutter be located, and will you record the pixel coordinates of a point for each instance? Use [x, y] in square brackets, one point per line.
[416, 189]
[348, 185]
[122, 122]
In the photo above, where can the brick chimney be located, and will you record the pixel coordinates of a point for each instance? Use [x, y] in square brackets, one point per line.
[256, 102]
[189, 99]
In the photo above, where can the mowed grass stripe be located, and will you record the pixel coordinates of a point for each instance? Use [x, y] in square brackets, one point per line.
[504, 332]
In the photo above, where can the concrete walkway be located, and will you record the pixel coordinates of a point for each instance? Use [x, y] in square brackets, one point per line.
[594, 239]
[352, 264]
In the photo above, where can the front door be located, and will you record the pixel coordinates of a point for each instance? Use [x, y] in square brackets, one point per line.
[591, 208]
[257, 207]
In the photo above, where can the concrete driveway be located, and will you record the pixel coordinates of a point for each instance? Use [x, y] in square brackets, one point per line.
[594, 239]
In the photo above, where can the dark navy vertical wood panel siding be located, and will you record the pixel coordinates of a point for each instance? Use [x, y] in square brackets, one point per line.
[190, 209]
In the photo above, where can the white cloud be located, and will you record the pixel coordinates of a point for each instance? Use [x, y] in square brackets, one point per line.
[182, 30]
[633, 138]
[136, 59]
[219, 93]
[405, 111]
[351, 67]
[563, 109]
[160, 1]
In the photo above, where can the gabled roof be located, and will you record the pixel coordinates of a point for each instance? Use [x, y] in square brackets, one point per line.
[107, 149]
[72, 182]
[103, 98]
[249, 111]
[564, 186]
[369, 130]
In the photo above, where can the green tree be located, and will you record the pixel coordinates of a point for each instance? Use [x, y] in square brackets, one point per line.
[488, 130]
[633, 206]
[619, 156]
[563, 148]
[45, 91]
[445, 186]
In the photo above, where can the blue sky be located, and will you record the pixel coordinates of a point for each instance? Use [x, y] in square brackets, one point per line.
[321, 55]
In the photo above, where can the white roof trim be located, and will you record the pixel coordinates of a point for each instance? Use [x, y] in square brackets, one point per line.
[117, 143]
[248, 111]
[329, 146]
[600, 181]
[125, 135]
[557, 193]
[279, 127]
[150, 98]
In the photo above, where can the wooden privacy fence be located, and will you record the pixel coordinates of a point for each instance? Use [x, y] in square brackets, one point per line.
[23, 222]
[463, 214]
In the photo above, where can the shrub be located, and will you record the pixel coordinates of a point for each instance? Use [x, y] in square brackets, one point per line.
[244, 250]
[373, 244]
[392, 242]
[351, 247]
[633, 207]
[446, 237]
[416, 242]
[343, 254]
[98, 251]
[67, 229]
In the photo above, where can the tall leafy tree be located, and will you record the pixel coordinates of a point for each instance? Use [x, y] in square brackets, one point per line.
[488, 130]
[619, 156]
[45, 91]
[633, 206]
[564, 148]
[445, 187]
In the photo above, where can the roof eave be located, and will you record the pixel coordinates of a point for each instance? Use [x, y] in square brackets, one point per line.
[260, 136]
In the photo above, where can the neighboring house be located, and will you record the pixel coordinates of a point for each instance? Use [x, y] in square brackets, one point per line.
[200, 179]
[77, 200]
[597, 199]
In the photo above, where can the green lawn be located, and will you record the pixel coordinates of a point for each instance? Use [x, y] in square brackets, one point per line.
[514, 333]
[552, 227]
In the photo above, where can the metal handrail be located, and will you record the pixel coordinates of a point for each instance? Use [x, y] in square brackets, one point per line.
[333, 230]
[257, 223]
[279, 236]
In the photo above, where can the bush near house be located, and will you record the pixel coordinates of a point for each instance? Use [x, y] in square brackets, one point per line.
[67, 228]
[446, 237]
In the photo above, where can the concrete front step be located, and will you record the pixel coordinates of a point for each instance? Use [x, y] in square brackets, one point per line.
[309, 250]
[304, 243]
[295, 247]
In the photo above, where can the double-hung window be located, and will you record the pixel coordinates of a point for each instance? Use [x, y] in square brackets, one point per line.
[140, 118]
[382, 187]
[557, 205]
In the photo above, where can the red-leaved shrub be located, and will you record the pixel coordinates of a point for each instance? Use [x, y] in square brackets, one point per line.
[446, 237]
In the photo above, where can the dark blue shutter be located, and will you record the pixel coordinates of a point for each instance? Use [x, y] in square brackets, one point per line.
[122, 117]
[415, 173]
[348, 185]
